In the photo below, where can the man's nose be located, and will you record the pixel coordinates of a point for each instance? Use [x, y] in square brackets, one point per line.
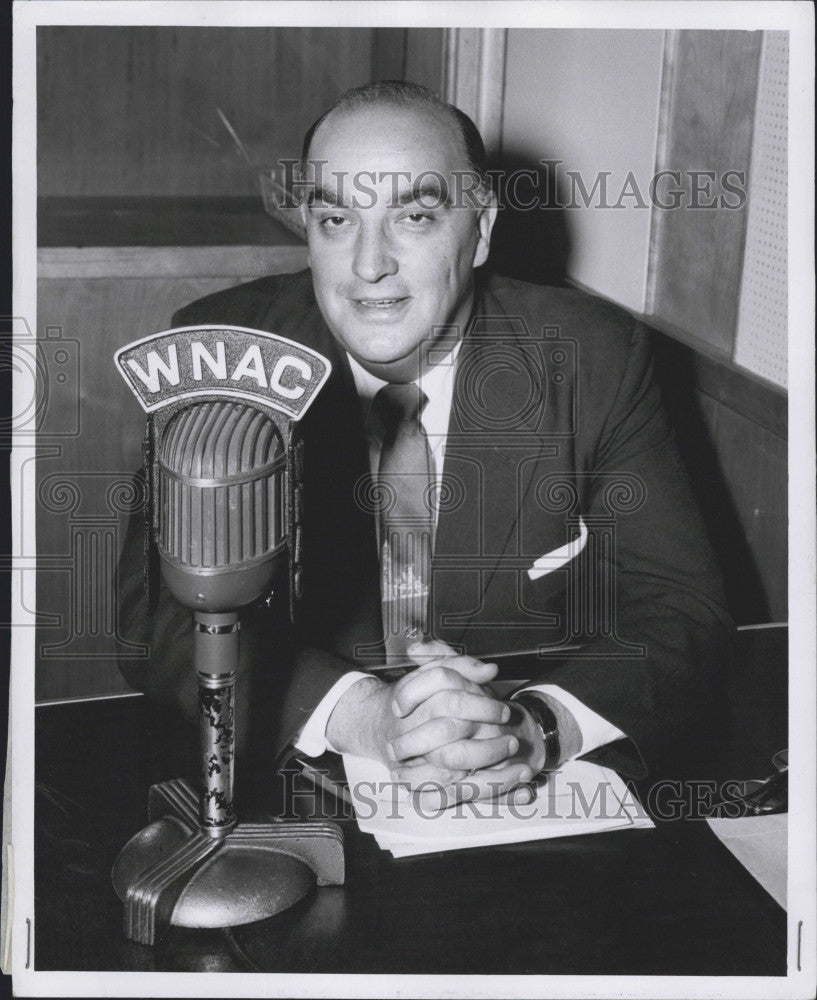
[374, 257]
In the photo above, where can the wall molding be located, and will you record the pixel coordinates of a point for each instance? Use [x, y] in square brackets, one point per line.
[474, 78]
[757, 399]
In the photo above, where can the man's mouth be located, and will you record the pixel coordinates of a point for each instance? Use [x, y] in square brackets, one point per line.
[379, 303]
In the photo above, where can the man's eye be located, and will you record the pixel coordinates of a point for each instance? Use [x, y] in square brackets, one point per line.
[419, 219]
[334, 221]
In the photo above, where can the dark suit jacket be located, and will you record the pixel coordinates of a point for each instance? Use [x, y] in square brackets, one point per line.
[555, 417]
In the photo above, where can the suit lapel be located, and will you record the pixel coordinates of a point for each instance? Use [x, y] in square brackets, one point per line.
[497, 438]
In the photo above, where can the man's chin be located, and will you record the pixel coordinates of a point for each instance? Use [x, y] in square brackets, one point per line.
[386, 365]
[384, 345]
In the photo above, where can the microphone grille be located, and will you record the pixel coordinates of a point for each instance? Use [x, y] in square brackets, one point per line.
[221, 485]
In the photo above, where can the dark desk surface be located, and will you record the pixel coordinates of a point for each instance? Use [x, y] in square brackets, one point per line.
[671, 900]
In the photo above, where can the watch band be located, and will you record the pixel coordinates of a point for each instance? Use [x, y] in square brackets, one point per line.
[546, 720]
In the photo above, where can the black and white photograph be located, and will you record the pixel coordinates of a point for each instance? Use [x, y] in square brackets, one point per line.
[412, 568]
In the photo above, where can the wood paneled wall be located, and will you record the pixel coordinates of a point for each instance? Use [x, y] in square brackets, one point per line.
[731, 429]
[731, 424]
[696, 253]
[409, 54]
[132, 110]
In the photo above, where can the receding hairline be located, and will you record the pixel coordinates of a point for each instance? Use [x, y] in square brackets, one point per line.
[439, 114]
[407, 95]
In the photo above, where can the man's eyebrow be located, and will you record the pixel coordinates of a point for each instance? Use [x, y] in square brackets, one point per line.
[319, 194]
[431, 191]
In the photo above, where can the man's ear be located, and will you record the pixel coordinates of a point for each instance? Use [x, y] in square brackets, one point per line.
[486, 217]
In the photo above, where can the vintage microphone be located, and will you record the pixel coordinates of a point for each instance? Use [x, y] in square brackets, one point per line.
[223, 463]
[221, 533]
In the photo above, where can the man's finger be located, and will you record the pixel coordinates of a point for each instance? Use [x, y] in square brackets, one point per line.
[430, 735]
[482, 785]
[425, 773]
[474, 755]
[455, 716]
[434, 652]
[411, 691]
[519, 795]
[430, 649]
[469, 755]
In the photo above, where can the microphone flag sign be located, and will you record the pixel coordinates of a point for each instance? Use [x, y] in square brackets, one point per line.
[216, 372]
[228, 361]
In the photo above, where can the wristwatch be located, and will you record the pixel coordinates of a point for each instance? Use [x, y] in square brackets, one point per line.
[546, 721]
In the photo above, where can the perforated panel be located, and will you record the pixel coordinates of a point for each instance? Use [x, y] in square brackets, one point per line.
[761, 342]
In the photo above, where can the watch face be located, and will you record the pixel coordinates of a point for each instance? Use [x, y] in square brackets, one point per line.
[544, 718]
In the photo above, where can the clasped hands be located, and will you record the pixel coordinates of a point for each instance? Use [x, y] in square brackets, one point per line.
[440, 728]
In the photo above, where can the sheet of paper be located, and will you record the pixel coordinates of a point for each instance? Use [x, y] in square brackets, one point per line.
[579, 798]
[760, 844]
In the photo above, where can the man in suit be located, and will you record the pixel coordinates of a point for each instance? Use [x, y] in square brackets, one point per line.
[562, 523]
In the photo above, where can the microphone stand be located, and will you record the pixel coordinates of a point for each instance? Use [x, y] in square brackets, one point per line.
[193, 866]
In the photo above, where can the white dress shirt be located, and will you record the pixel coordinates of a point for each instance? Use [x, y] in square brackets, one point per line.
[438, 385]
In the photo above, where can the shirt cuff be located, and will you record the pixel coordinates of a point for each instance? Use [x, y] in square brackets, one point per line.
[595, 730]
[312, 739]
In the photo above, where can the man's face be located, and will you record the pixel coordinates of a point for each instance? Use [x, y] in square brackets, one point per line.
[390, 261]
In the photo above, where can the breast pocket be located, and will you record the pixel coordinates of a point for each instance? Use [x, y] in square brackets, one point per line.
[549, 562]
[551, 586]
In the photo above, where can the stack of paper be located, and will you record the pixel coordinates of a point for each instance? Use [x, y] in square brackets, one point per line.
[579, 798]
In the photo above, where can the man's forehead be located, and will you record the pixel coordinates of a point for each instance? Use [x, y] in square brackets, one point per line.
[386, 138]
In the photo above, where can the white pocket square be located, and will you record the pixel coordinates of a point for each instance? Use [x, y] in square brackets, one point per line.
[558, 557]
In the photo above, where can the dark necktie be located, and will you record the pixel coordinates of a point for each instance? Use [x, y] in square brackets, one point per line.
[406, 519]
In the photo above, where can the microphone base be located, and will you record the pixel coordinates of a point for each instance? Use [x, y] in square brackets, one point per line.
[175, 872]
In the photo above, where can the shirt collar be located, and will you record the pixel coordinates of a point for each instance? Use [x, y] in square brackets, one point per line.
[437, 382]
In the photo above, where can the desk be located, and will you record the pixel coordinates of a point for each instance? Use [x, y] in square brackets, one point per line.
[667, 901]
